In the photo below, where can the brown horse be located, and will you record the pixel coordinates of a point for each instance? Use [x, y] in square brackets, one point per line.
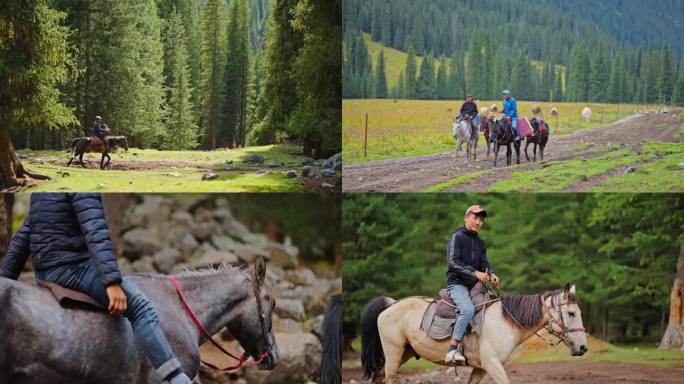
[391, 333]
[81, 145]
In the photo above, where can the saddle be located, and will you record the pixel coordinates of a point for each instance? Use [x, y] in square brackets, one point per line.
[69, 298]
[94, 140]
[440, 316]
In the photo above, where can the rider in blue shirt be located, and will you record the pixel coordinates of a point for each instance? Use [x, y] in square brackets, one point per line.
[510, 110]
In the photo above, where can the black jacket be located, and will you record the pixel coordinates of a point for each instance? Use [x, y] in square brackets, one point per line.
[466, 253]
[469, 109]
[63, 228]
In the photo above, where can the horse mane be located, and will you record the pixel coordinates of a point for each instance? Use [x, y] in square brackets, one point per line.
[527, 310]
[522, 310]
[194, 273]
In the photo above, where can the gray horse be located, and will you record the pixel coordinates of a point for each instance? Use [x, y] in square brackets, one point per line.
[44, 343]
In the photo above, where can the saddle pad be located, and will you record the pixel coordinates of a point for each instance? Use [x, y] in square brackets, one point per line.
[94, 140]
[525, 127]
[440, 316]
[68, 298]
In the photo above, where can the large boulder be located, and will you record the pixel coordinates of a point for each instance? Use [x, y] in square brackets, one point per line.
[290, 309]
[165, 259]
[282, 255]
[301, 276]
[214, 258]
[144, 264]
[249, 253]
[334, 163]
[140, 242]
[300, 361]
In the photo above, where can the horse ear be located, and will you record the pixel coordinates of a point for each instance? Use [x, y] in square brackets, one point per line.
[572, 290]
[260, 269]
[566, 291]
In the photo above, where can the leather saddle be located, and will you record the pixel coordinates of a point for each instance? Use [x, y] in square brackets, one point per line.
[94, 140]
[69, 298]
[440, 316]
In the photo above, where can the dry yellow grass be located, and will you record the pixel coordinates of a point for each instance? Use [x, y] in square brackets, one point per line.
[402, 128]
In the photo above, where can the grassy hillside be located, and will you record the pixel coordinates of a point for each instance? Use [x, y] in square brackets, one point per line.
[395, 61]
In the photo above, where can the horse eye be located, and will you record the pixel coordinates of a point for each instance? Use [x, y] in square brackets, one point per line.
[273, 305]
[572, 314]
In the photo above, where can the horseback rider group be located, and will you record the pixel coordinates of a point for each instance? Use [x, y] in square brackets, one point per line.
[469, 112]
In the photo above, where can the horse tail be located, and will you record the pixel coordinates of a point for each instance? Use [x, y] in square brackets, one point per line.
[372, 355]
[73, 146]
[331, 363]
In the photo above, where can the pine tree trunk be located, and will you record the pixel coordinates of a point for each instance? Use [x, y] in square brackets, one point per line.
[12, 172]
[308, 147]
[674, 334]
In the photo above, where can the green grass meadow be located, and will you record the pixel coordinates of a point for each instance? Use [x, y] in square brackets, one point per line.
[171, 171]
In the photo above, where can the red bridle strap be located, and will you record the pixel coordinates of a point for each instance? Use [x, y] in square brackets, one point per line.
[242, 360]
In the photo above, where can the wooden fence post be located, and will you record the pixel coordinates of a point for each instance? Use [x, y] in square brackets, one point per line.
[365, 138]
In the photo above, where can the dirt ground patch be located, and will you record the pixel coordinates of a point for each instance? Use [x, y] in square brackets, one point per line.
[567, 372]
[415, 174]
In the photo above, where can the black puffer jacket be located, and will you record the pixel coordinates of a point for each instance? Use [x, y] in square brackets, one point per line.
[63, 228]
[466, 253]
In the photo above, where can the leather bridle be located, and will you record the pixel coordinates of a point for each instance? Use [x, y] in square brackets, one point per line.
[563, 334]
[242, 360]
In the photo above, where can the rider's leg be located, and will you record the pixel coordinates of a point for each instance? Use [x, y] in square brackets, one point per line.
[140, 312]
[514, 122]
[461, 297]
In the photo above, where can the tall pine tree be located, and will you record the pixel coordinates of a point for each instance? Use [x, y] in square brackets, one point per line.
[380, 78]
[181, 131]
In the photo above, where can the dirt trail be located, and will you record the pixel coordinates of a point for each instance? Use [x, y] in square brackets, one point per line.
[415, 174]
[570, 372]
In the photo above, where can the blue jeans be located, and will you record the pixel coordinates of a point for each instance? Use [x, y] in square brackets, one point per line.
[83, 277]
[461, 297]
[514, 122]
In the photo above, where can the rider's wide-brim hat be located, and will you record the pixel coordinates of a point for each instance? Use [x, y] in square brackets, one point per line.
[476, 209]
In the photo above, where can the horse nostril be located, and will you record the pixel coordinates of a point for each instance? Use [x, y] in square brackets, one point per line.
[583, 348]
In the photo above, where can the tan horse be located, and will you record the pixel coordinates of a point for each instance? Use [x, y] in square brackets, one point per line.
[392, 335]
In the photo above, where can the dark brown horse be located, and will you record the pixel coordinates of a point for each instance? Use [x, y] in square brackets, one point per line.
[540, 137]
[502, 134]
[485, 128]
[81, 145]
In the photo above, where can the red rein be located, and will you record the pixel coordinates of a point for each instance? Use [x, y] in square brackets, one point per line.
[242, 360]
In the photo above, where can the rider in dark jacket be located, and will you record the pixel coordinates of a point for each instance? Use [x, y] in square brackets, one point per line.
[100, 130]
[468, 264]
[469, 108]
[67, 237]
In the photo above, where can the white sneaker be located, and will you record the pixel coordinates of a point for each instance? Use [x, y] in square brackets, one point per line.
[454, 356]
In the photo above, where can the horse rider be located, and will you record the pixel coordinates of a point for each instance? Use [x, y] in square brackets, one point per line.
[469, 110]
[468, 264]
[67, 237]
[99, 130]
[510, 111]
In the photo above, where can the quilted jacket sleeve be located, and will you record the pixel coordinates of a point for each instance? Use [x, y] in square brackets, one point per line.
[17, 253]
[91, 218]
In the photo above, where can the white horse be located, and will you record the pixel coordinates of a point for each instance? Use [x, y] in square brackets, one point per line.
[391, 333]
[464, 134]
[586, 114]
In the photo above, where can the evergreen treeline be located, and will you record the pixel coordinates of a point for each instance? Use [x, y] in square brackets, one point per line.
[620, 249]
[183, 74]
[530, 47]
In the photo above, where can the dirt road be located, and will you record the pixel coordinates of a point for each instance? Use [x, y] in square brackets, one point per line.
[415, 174]
[582, 372]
